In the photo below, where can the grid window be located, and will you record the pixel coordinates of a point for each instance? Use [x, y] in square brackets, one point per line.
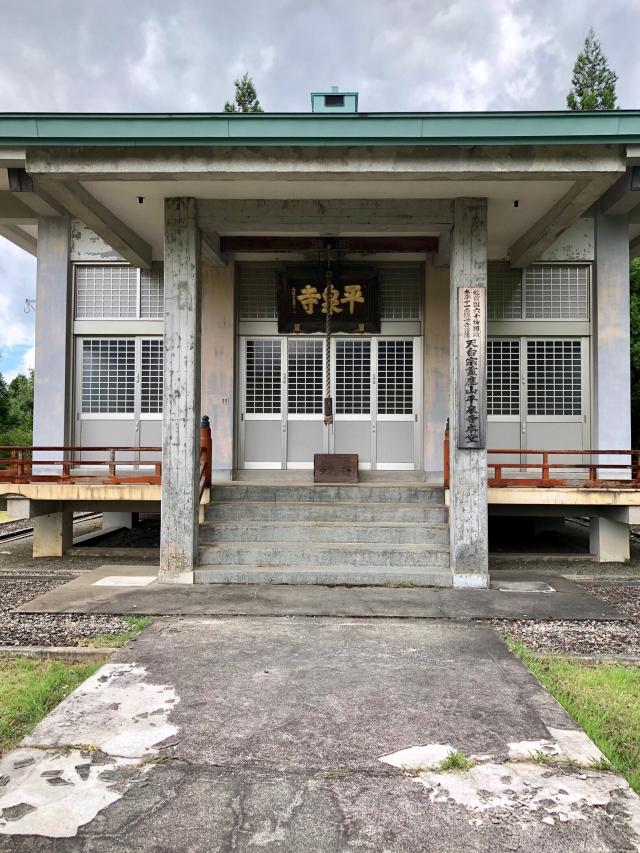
[106, 292]
[305, 377]
[554, 377]
[264, 365]
[152, 352]
[353, 377]
[556, 293]
[151, 294]
[503, 377]
[504, 292]
[108, 376]
[257, 293]
[399, 293]
[395, 377]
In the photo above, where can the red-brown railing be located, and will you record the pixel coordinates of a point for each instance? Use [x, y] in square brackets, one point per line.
[206, 455]
[589, 474]
[521, 471]
[106, 465]
[17, 465]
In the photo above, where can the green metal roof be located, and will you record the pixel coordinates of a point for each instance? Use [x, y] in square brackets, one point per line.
[155, 129]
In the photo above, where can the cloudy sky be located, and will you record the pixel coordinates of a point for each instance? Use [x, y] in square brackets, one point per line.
[159, 55]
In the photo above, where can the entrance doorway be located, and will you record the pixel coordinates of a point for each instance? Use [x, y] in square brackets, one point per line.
[376, 392]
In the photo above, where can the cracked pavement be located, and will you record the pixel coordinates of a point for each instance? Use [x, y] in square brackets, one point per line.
[243, 734]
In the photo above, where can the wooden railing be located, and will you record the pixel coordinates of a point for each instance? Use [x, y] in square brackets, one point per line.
[105, 465]
[547, 471]
[110, 465]
[206, 455]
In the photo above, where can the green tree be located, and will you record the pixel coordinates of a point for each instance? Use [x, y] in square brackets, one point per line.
[593, 84]
[635, 352]
[246, 97]
[16, 410]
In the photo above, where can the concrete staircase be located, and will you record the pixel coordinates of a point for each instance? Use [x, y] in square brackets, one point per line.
[357, 535]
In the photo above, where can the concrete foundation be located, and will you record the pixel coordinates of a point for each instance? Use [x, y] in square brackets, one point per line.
[52, 534]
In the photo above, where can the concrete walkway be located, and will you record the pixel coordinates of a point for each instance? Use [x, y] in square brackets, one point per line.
[134, 589]
[311, 734]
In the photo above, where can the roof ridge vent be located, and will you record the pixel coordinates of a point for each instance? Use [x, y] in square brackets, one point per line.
[334, 101]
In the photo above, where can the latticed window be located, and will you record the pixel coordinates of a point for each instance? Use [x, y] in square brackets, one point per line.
[503, 377]
[108, 376]
[106, 292]
[556, 292]
[151, 294]
[395, 377]
[554, 377]
[152, 355]
[263, 377]
[305, 377]
[257, 293]
[504, 292]
[399, 292]
[353, 377]
[118, 292]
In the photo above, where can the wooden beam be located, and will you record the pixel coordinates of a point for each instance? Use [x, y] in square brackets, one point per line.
[16, 235]
[115, 233]
[255, 216]
[622, 197]
[330, 163]
[13, 211]
[564, 213]
[33, 196]
[343, 244]
[212, 254]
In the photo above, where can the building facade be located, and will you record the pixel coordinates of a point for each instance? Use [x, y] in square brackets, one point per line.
[182, 271]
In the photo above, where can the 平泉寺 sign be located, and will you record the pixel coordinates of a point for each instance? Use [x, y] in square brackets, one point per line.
[352, 301]
[471, 369]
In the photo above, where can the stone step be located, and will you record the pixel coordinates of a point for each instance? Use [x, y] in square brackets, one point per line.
[379, 493]
[354, 555]
[333, 576]
[345, 511]
[314, 531]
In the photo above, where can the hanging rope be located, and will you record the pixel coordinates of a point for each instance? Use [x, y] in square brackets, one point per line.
[328, 301]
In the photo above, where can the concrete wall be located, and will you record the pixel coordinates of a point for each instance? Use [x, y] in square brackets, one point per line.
[436, 366]
[87, 246]
[577, 243]
[218, 359]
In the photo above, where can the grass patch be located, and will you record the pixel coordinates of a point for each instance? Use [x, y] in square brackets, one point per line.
[29, 689]
[456, 761]
[134, 624]
[603, 698]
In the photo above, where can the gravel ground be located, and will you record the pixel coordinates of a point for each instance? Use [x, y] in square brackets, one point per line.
[586, 638]
[42, 629]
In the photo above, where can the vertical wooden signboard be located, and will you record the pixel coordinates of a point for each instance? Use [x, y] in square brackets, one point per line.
[471, 370]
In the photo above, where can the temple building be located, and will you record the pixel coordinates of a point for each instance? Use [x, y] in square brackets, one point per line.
[394, 325]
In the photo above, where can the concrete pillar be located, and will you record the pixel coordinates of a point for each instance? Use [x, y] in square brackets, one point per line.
[52, 377]
[468, 516]
[218, 363]
[52, 534]
[611, 342]
[181, 419]
[609, 536]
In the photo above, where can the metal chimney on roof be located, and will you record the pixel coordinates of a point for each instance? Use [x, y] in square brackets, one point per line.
[334, 101]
